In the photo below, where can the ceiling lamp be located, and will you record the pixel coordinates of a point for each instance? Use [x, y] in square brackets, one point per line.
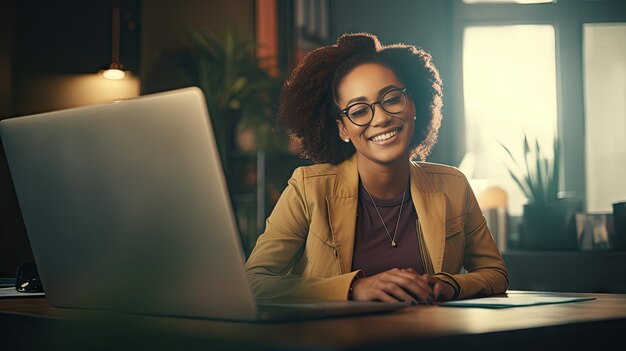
[115, 70]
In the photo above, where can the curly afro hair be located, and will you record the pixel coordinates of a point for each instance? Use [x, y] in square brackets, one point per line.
[308, 110]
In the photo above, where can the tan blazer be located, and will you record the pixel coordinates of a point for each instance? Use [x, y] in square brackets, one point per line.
[306, 249]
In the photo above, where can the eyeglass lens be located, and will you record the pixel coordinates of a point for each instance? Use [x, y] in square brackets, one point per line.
[394, 101]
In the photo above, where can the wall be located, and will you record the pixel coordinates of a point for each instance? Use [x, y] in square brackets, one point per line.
[61, 91]
[14, 246]
[56, 42]
[164, 45]
[6, 49]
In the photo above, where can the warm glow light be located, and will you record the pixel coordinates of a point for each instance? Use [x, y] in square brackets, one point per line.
[55, 92]
[114, 74]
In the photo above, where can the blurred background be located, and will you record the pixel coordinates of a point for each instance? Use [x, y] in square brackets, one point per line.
[534, 91]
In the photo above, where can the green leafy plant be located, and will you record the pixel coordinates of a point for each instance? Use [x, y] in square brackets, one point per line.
[237, 87]
[537, 176]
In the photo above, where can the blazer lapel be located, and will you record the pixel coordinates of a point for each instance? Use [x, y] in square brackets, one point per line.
[342, 206]
[431, 211]
[342, 219]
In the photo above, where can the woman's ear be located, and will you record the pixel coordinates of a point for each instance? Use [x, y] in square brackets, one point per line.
[412, 106]
[343, 131]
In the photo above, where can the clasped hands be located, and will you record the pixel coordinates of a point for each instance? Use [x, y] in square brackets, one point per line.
[404, 285]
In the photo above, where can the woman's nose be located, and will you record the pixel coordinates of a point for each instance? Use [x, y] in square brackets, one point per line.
[380, 116]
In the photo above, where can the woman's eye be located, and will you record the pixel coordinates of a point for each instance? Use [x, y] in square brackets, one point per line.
[391, 100]
[359, 111]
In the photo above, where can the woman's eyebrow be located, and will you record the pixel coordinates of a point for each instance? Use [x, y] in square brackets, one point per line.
[387, 88]
[363, 98]
[356, 99]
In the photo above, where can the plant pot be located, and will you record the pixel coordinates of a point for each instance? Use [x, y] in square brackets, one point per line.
[246, 138]
[619, 223]
[550, 227]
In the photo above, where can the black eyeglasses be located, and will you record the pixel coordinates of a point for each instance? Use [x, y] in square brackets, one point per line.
[361, 113]
[27, 278]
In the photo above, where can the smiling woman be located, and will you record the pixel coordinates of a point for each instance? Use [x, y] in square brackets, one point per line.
[366, 222]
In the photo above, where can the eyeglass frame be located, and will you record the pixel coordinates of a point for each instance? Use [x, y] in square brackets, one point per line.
[403, 91]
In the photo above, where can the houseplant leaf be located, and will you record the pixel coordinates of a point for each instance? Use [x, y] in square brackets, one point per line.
[541, 186]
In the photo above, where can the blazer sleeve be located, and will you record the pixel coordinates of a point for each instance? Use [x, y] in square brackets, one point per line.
[270, 265]
[486, 270]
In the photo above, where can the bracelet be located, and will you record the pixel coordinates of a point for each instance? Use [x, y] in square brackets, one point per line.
[350, 291]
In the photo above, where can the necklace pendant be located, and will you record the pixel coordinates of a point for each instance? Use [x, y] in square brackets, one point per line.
[393, 243]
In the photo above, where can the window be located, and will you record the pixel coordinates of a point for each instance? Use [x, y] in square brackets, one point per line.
[548, 69]
[604, 51]
[509, 87]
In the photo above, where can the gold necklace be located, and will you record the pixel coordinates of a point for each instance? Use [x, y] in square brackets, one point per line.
[393, 239]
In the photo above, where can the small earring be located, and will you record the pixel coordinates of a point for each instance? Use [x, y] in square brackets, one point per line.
[347, 140]
[414, 118]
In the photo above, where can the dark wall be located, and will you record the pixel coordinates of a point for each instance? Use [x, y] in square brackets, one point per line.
[424, 23]
[67, 37]
[6, 52]
[73, 36]
[14, 246]
[166, 49]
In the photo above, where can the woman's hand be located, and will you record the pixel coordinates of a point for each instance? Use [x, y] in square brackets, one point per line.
[442, 290]
[395, 285]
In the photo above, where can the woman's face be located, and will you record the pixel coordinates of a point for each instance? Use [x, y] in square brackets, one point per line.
[386, 139]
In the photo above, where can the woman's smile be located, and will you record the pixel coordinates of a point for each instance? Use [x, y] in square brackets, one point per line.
[386, 137]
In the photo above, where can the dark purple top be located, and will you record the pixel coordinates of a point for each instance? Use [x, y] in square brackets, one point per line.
[373, 252]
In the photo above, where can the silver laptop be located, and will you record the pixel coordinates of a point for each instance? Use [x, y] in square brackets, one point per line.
[126, 208]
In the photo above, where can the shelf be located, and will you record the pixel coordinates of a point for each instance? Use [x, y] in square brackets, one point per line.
[571, 271]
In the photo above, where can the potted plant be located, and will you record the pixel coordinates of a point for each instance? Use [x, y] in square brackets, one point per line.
[241, 95]
[548, 221]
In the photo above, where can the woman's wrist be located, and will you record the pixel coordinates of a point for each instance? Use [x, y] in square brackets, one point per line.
[359, 275]
[350, 293]
[351, 288]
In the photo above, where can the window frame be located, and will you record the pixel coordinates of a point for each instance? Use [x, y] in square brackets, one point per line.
[568, 18]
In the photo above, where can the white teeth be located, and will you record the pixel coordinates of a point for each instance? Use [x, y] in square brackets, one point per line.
[385, 136]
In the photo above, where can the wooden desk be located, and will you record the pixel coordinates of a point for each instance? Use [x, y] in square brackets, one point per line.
[32, 324]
